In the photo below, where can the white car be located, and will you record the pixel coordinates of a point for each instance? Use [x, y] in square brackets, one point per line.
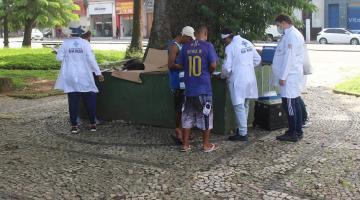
[338, 36]
[36, 34]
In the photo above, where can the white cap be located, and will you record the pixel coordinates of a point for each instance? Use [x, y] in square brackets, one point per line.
[74, 27]
[188, 31]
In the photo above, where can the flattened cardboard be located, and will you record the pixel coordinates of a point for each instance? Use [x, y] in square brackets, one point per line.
[155, 61]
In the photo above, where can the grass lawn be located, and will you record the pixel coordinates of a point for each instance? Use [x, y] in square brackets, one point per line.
[43, 59]
[351, 86]
[21, 78]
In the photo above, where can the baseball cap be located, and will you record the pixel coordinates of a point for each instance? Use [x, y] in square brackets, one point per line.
[225, 33]
[188, 31]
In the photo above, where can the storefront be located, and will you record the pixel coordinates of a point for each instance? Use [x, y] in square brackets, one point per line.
[124, 17]
[101, 19]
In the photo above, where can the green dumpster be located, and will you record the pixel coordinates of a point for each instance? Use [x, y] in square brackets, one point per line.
[151, 102]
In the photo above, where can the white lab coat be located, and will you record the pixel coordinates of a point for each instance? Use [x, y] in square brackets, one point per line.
[288, 63]
[238, 68]
[77, 66]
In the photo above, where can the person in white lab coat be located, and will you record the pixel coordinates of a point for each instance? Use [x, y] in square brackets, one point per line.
[288, 74]
[76, 76]
[241, 58]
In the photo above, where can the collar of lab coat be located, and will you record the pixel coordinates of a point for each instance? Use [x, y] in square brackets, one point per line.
[288, 29]
[236, 39]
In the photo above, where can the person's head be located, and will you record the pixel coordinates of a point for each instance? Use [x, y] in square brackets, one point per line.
[75, 29]
[283, 22]
[201, 33]
[86, 36]
[227, 35]
[187, 34]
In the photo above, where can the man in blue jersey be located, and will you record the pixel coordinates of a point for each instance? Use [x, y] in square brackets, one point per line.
[176, 75]
[199, 60]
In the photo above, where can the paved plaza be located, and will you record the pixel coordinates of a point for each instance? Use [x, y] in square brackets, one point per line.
[122, 160]
[40, 160]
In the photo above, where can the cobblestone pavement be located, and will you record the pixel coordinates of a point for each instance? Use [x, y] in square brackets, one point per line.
[39, 160]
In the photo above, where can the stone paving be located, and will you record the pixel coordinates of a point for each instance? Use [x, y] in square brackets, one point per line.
[40, 160]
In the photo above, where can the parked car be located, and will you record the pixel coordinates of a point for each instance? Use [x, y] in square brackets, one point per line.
[36, 34]
[272, 34]
[338, 36]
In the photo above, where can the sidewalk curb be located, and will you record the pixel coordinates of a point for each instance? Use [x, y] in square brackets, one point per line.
[345, 93]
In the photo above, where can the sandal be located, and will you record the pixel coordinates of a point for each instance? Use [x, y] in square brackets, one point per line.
[213, 147]
[186, 149]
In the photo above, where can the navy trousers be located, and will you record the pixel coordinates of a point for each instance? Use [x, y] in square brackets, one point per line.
[292, 108]
[303, 110]
[74, 103]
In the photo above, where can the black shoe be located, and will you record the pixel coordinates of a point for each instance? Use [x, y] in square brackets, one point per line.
[74, 130]
[93, 128]
[300, 136]
[288, 137]
[238, 138]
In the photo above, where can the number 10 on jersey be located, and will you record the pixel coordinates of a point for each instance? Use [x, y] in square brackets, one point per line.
[195, 66]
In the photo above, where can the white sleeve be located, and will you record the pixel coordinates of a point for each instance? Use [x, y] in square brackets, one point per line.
[91, 60]
[256, 57]
[60, 54]
[289, 56]
[227, 65]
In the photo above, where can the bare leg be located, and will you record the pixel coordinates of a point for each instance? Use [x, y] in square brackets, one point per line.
[186, 133]
[206, 139]
[178, 129]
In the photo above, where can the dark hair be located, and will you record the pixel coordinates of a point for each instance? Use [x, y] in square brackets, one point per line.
[86, 35]
[283, 18]
[226, 31]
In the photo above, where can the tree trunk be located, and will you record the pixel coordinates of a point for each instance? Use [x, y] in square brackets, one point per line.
[6, 24]
[136, 39]
[6, 31]
[160, 30]
[135, 48]
[27, 33]
[170, 17]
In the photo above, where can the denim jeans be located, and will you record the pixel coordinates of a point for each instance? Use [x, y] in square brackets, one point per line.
[242, 112]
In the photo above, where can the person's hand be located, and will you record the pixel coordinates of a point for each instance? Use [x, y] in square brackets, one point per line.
[282, 82]
[101, 78]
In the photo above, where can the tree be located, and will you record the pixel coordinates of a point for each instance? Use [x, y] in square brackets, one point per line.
[135, 48]
[249, 18]
[44, 13]
[4, 16]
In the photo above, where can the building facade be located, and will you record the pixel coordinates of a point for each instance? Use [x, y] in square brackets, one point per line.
[113, 18]
[342, 13]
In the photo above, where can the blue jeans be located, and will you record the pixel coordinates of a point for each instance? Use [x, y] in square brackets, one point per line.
[90, 103]
[242, 112]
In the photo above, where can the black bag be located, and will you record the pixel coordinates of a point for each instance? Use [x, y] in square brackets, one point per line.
[133, 64]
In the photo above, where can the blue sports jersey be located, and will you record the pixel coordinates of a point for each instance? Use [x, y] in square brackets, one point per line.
[176, 77]
[196, 57]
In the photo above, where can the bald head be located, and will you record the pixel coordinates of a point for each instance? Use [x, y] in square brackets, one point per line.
[202, 33]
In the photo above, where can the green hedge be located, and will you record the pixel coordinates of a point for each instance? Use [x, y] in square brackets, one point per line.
[43, 59]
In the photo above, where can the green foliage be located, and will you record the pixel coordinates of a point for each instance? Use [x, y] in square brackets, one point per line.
[46, 13]
[43, 59]
[248, 18]
[351, 86]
